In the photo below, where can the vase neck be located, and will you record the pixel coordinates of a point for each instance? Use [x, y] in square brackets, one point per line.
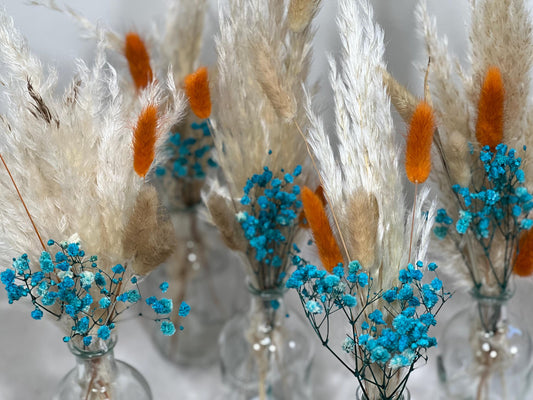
[267, 307]
[96, 369]
[492, 311]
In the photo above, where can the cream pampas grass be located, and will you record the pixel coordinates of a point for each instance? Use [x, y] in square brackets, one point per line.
[364, 185]
[72, 157]
[484, 105]
[262, 65]
[365, 189]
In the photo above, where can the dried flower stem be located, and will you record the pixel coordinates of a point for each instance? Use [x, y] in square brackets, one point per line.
[412, 222]
[23, 203]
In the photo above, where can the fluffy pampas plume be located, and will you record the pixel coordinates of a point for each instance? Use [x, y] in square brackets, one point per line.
[262, 66]
[72, 156]
[301, 12]
[365, 194]
[485, 105]
[149, 234]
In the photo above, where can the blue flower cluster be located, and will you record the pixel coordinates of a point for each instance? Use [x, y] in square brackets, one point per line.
[70, 285]
[271, 222]
[389, 327]
[189, 156]
[501, 203]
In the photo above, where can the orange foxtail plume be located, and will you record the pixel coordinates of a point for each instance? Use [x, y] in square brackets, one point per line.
[144, 138]
[524, 260]
[302, 221]
[315, 213]
[489, 126]
[138, 60]
[419, 140]
[197, 90]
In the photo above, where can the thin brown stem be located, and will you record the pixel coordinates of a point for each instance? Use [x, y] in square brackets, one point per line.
[335, 220]
[23, 203]
[413, 222]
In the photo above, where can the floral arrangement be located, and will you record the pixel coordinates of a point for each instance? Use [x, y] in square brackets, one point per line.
[481, 145]
[363, 233]
[76, 167]
[499, 206]
[63, 285]
[263, 59]
[389, 340]
[172, 48]
[270, 224]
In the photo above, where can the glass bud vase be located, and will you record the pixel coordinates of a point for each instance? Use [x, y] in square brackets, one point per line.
[98, 376]
[204, 273]
[485, 353]
[265, 353]
[360, 395]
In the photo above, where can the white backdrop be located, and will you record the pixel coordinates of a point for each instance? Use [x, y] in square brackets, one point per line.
[32, 356]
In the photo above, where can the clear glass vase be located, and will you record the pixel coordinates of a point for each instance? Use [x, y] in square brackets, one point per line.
[98, 376]
[265, 353]
[485, 352]
[359, 395]
[204, 273]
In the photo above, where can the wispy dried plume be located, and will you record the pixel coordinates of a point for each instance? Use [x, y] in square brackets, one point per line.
[301, 12]
[149, 234]
[370, 177]
[71, 155]
[484, 106]
[262, 65]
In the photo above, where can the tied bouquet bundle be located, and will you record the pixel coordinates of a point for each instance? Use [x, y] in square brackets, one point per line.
[264, 49]
[483, 177]
[74, 171]
[366, 237]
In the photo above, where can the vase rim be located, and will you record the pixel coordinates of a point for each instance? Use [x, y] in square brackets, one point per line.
[501, 296]
[96, 349]
[277, 291]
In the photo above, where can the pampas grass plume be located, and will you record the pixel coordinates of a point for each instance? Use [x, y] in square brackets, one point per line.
[419, 140]
[489, 126]
[328, 249]
[144, 139]
[197, 90]
[224, 218]
[149, 235]
[363, 216]
[301, 13]
[524, 260]
[138, 60]
[267, 75]
[402, 99]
